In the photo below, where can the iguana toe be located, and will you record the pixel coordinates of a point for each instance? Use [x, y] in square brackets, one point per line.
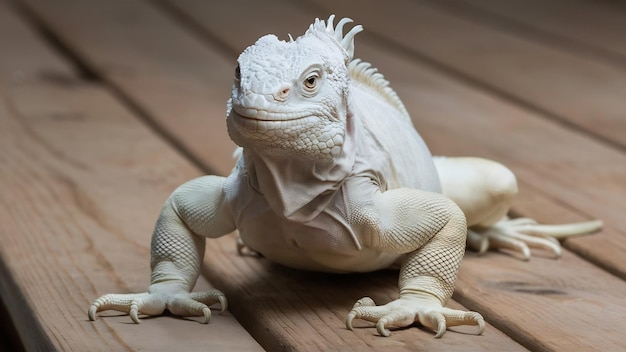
[197, 304]
[211, 297]
[408, 310]
[155, 303]
[133, 304]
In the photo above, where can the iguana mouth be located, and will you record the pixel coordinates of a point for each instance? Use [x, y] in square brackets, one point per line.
[264, 115]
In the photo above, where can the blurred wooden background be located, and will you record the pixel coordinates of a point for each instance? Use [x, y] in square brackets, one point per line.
[107, 106]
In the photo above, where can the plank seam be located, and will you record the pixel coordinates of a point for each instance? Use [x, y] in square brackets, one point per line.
[9, 335]
[392, 46]
[195, 29]
[90, 72]
[37, 339]
[496, 92]
[555, 41]
[83, 72]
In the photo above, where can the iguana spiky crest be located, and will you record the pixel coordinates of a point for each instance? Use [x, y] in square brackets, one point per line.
[359, 71]
[369, 77]
[326, 31]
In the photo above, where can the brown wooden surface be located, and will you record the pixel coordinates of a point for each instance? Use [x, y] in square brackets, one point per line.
[82, 179]
[581, 25]
[466, 79]
[527, 72]
[267, 316]
[539, 152]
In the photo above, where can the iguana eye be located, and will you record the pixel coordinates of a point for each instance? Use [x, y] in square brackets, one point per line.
[310, 82]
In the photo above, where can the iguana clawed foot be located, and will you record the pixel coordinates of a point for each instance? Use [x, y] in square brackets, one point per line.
[157, 299]
[411, 308]
[521, 234]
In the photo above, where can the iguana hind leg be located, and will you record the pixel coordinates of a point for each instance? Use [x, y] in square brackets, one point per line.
[485, 190]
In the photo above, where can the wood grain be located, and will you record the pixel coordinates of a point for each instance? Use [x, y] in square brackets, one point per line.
[539, 151]
[441, 105]
[575, 90]
[145, 63]
[587, 27]
[534, 151]
[82, 181]
[286, 309]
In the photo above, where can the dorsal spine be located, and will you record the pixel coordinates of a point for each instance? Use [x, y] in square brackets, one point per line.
[362, 72]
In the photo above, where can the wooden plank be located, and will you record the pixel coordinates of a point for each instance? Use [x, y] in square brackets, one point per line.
[566, 271]
[575, 90]
[134, 64]
[296, 310]
[284, 309]
[82, 181]
[497, 292]
[589, 27]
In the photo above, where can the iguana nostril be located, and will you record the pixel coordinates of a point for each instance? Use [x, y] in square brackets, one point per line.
[283, 92]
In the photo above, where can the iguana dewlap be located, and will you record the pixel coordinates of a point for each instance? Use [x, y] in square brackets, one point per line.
[333, 177]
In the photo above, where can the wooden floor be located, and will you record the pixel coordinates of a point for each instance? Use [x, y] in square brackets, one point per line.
[107, 106]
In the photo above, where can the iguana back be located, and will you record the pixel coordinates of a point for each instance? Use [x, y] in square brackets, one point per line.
[388, 143]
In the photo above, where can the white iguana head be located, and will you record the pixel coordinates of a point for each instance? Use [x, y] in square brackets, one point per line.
[291, 98]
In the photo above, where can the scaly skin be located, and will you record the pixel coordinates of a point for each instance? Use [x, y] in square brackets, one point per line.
[333, 177]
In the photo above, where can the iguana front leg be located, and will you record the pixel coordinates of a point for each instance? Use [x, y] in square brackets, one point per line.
[431, 229]
[194, 211]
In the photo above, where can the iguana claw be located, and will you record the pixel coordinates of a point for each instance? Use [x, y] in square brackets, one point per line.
[363, 302]
[154, 303]
[407, 310]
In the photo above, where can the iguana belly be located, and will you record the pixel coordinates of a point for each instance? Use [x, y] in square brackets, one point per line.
[326, 243]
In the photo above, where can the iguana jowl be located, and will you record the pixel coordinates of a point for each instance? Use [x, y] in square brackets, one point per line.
[333, 177]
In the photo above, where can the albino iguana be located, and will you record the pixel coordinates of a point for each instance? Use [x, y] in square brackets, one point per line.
[333, 177]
